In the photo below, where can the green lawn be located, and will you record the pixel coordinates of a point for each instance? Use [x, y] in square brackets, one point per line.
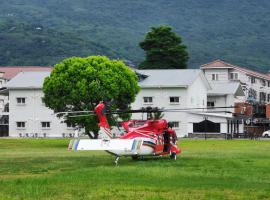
[212, 169]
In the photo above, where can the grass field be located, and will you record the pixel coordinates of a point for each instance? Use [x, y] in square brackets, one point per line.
[212, 169]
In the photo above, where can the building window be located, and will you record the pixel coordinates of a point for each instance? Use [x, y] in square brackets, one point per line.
[252, 79]
[20, 100]
[174, 100]
[233, 76]
[148, 100]
[263, 82]
[174, 124]
[268, 97]
[210, 104]
[70, 126]
[252, 94]
[20, 125]
[214, 77]
[262, 97]
[46, 125]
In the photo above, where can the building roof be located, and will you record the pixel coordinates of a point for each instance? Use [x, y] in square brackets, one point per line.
[28, 79]
[168, 77]
[221, 64]
[10, 72]
[220, 89]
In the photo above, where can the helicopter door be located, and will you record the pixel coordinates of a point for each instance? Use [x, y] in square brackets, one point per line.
[166, 137]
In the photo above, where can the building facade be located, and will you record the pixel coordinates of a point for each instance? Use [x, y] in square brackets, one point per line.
[256, 85]
[184, 90]
[28, 115]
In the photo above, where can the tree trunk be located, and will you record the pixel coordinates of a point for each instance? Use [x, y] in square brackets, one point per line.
[95, 135]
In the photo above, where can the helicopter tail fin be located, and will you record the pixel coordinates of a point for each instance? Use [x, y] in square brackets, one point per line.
[105, 131]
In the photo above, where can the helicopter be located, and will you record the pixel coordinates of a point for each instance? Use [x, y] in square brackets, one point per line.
[152, 137]
[141, 138]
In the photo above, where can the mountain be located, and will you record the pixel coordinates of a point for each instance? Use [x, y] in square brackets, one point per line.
[43, 32]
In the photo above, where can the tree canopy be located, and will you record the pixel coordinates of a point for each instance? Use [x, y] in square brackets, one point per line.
[163, 50]
[77, 84]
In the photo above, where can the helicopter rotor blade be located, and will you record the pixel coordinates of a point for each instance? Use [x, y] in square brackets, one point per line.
[73, 114]
[68, 112]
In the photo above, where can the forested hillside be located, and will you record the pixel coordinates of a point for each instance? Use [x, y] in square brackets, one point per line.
[42, 32]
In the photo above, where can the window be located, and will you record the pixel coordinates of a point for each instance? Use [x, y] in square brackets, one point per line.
[21, 100]
[20, 125]
[45, 125]
[252, 94]
[268, 97]
[174, 124]
[263, 82]
[174, 100]
[252, 79]
[262, 97]
[233, 76]
[214, 77]
[148, 99]
[70, 126]
[210, 104]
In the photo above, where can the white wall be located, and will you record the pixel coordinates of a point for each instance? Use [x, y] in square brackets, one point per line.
[197, 94]
[161, 99]
[33, 113]
[222, 74]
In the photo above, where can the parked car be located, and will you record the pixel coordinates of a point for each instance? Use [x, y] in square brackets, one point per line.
[266, 134]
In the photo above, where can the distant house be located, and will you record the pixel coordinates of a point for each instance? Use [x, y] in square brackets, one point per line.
[6, 74]
[224, 77]
[28, 115]
[256, 85]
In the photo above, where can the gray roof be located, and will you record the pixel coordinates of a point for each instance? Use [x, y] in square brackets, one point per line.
[219, 89]
[168, 77]
[27, 80]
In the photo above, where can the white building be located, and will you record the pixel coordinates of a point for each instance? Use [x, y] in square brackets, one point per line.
[6, 74]
[28, 115]
[255, 85]
[179, 89]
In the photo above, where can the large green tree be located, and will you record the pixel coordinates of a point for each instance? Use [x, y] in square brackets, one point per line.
[78, 84]
[164, 50]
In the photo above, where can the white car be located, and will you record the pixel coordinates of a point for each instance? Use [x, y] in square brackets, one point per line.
[266, 134]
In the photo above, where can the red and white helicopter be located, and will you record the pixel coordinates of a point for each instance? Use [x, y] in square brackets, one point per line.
[141, 138]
